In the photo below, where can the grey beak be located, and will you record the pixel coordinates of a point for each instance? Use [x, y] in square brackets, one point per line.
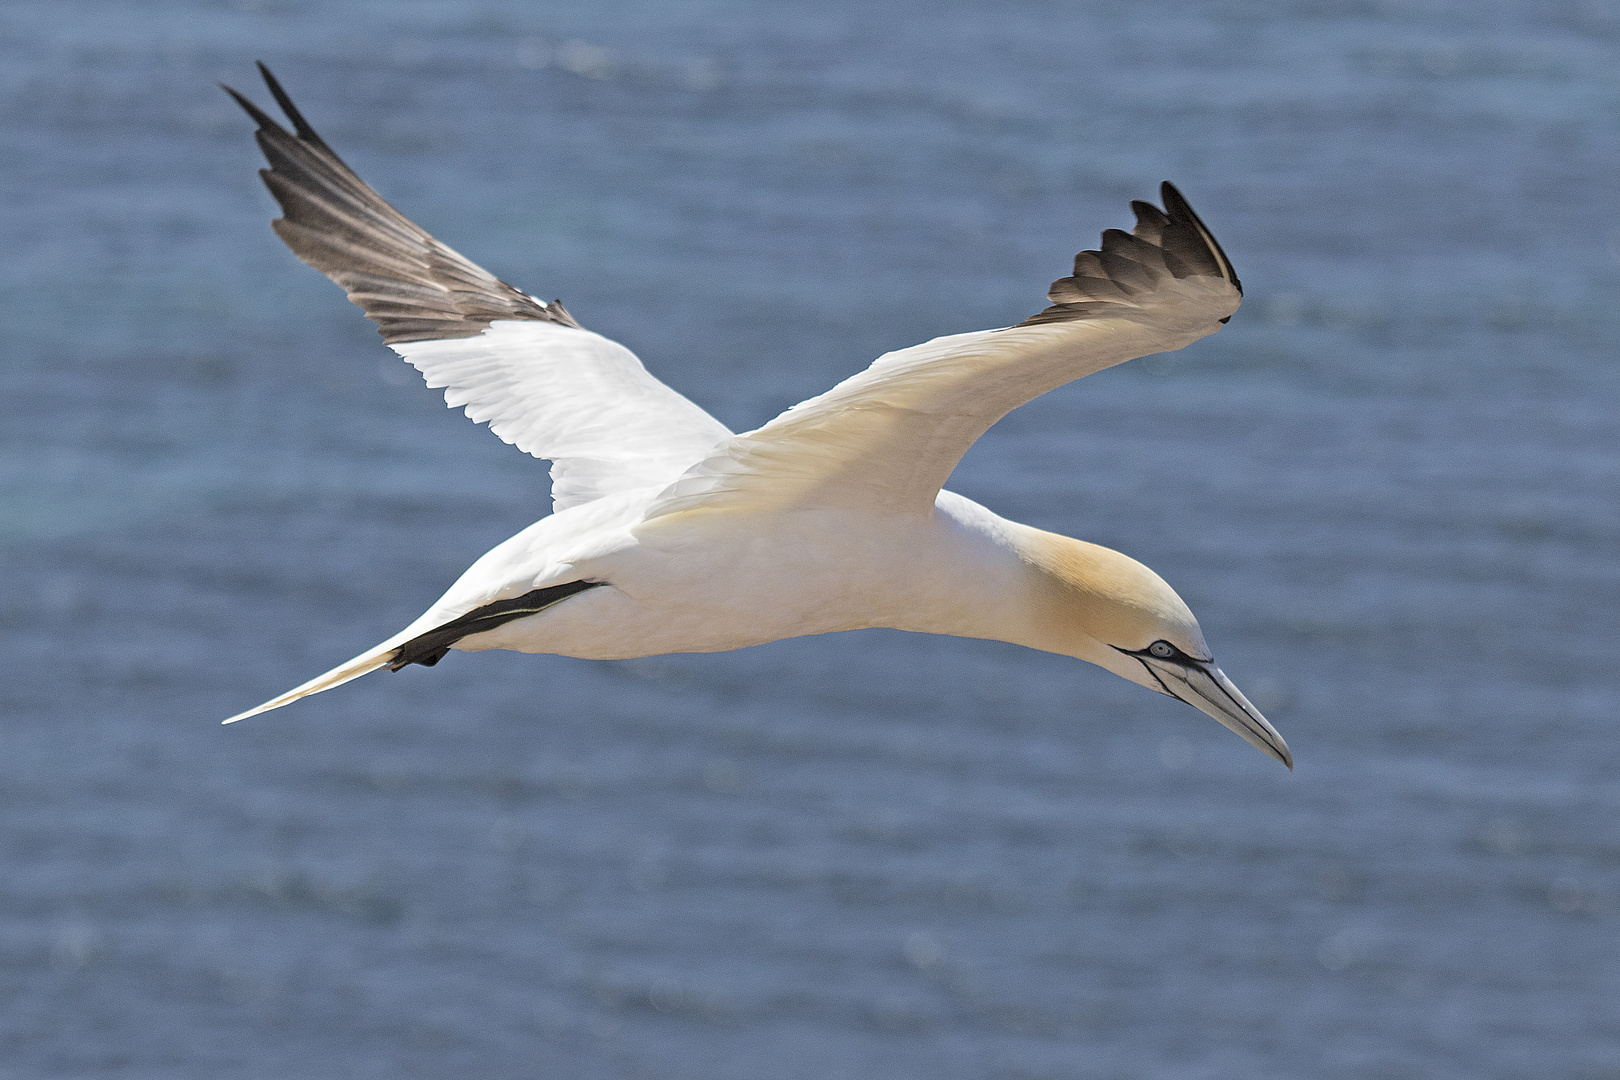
[1203, 686]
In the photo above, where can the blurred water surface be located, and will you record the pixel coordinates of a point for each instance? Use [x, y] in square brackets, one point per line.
[1388, 489]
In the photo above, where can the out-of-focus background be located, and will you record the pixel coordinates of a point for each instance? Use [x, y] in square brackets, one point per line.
[1387, 488]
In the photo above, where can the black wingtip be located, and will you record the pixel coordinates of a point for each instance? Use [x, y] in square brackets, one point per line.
[1148, 213]
[299, 124]
[263, 119]
[1176, 205]
[301, 127]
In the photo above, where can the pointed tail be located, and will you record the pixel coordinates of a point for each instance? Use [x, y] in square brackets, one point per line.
[432, 635]
[370, 660]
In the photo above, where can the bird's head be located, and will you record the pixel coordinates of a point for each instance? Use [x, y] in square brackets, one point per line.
[1098, 605]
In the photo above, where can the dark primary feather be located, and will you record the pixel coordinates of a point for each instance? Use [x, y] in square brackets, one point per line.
[1172, 242]
[413, 287]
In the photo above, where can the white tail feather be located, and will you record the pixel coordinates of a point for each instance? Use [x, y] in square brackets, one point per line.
[373, 658]
[370, 660]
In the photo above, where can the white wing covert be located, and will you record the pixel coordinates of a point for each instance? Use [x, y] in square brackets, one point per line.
[887, 439]
[574, 397]
[541, 381]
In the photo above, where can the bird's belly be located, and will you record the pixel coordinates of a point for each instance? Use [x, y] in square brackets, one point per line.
[605, 624]
[705, 587]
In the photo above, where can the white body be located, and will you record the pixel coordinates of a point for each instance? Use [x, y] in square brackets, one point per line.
[709, 581]
[830, 517]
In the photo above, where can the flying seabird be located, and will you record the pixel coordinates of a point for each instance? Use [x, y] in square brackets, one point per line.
[669, 533]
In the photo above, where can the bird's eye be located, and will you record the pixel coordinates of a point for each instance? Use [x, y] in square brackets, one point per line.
[1162, 649]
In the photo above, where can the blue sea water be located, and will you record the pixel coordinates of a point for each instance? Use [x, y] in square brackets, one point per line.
[1388, 488]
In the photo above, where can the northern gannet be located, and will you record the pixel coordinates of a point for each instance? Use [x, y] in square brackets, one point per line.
[669, 533]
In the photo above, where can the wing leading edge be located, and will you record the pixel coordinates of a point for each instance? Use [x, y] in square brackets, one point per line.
[886, 439]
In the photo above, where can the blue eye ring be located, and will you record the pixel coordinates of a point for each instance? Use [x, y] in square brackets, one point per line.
[1162, 649]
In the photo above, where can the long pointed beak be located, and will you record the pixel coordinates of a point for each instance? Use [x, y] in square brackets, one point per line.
[1206, 688]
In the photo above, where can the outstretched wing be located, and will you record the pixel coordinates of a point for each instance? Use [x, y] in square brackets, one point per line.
[887, 439]
[542, 382]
